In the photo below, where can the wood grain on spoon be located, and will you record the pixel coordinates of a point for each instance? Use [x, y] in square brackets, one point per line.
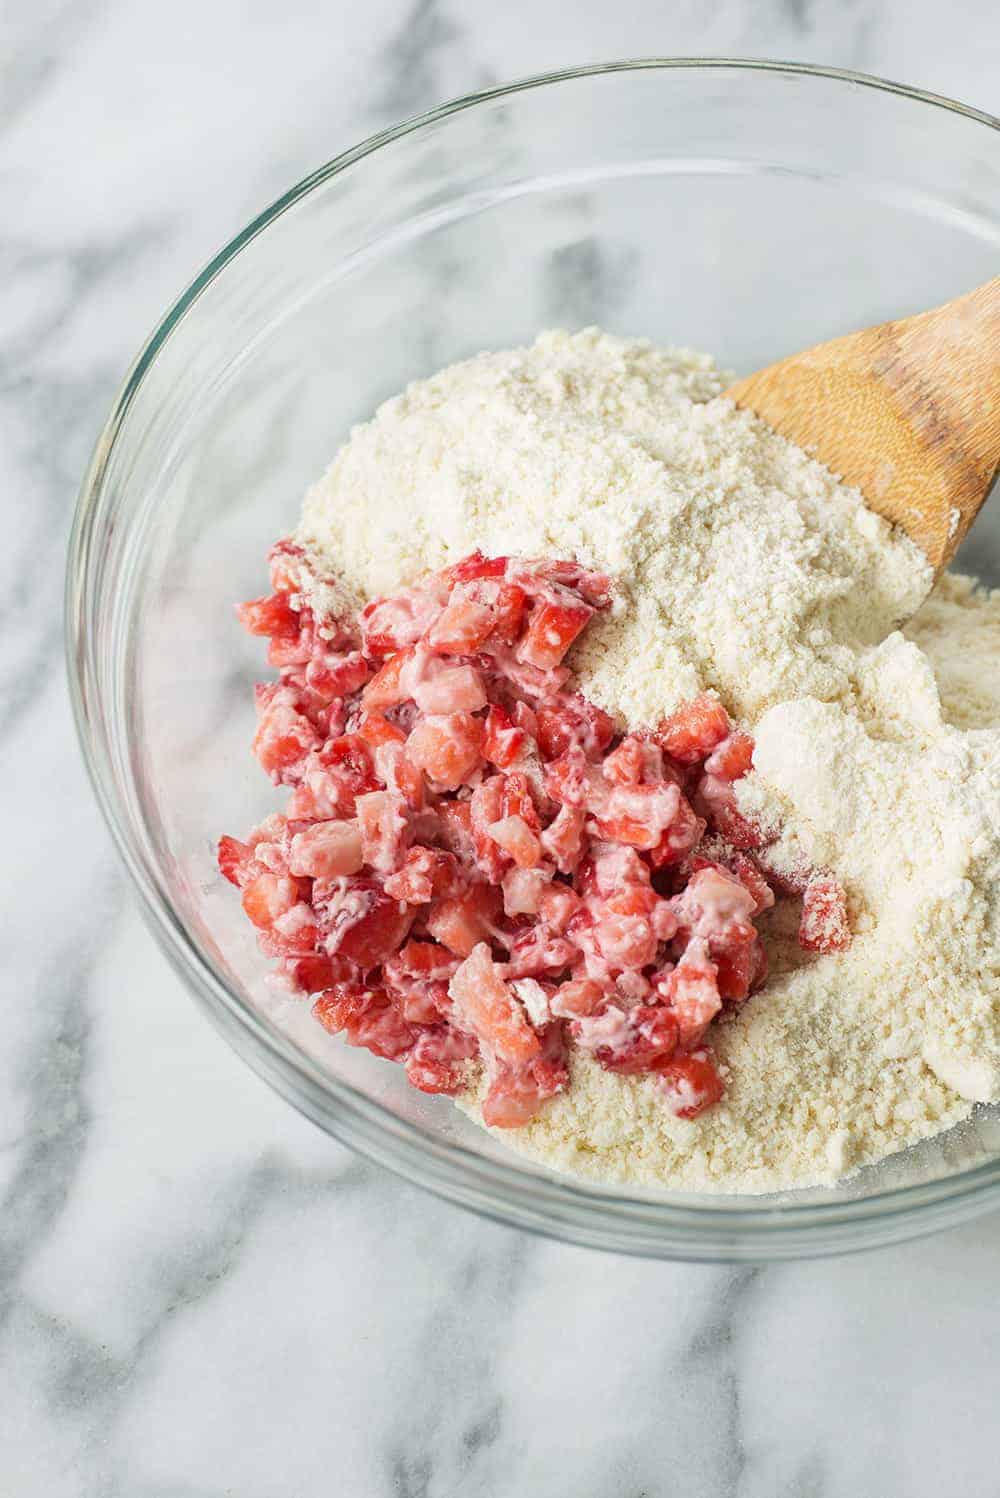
[908, 411]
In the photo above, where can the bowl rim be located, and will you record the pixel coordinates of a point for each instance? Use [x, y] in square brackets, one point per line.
[726, 1228]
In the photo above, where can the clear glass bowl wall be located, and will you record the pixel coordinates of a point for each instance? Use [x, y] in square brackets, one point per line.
[744, 209]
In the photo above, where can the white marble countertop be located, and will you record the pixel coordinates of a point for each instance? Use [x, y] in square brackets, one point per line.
[200, 1294]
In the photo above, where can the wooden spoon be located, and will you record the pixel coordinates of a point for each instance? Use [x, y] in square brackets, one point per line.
[908, 411]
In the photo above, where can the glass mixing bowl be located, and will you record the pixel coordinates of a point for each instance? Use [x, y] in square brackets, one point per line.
[745, 208]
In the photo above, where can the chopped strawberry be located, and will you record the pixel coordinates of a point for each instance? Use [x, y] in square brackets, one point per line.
[693, 993]
[733, 758]
[624, 765]
[456, 835]
[284, 563]
[753, 880]
[337, 675]
[503, 743]
[312, 973]
[516, 838]
[360, 921]
[268, 897]
[425, 873]
[233, 857]
[552, 628]
[557, 906]
[447, 747]
[366, 1018]
[508, 613]
[694, 730]
[563, 839]
[633, 1040]
[385, 829]
[718, 800]
[684, 833]
[462, 628]
[326, 849]
[435, 1064]
[284, 735]
[386, 688]
[575, 722]
[475, 565]
[824, 926]
[444, 780]
[485, 1006]
[738, 969]
[537, 953]
[460, 922]
[523, 890]
[392, 624]
[376, 730]
[691, 1083]
[272, 616]
[517, 1091]
[576, 998]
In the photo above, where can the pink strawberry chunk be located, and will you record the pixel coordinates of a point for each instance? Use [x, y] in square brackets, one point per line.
[485, 1006]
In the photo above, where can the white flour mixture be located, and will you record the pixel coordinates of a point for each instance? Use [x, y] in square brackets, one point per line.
[744, 566]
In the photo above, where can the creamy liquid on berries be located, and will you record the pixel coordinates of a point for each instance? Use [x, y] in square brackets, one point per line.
[744, 566]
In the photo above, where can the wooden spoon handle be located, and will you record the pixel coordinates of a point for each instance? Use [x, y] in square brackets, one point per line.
[907, 411]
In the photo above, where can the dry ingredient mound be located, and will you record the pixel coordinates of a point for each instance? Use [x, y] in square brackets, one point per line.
[744, 566]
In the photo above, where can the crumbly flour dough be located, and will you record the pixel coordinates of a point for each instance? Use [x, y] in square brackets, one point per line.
[741, 565]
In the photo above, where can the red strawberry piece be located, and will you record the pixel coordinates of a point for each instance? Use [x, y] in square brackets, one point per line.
[552, 628]
[462, 628]
[447, 748]
[233, 858]
[367, 1019]
[753, 881]
[376, 730]
[693, 731]
[284, 563]
[485, 1006]
[474, 566]
[386, 688]
[575, 998]
[718, 799]
[643, 1040]
[269, 896]
[460, 922]
[558, 905]
[326, 849]
[691, 1083]
[333, 675]
[523, 889]
[392, 624]
[360, 921]
[684, 833]
[518, 1090]
[824, 926]
[508, 613]
[503, 743]
[692, 992]
[456, 835]
[624, 765]
[574, 721]
[537, 952]
[733, 758]
[314, 972]
[564, 840]
[517, 840]
[284, 735]
[272, 616]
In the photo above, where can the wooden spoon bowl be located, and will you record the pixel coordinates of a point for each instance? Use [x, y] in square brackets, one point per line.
[908, 412]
